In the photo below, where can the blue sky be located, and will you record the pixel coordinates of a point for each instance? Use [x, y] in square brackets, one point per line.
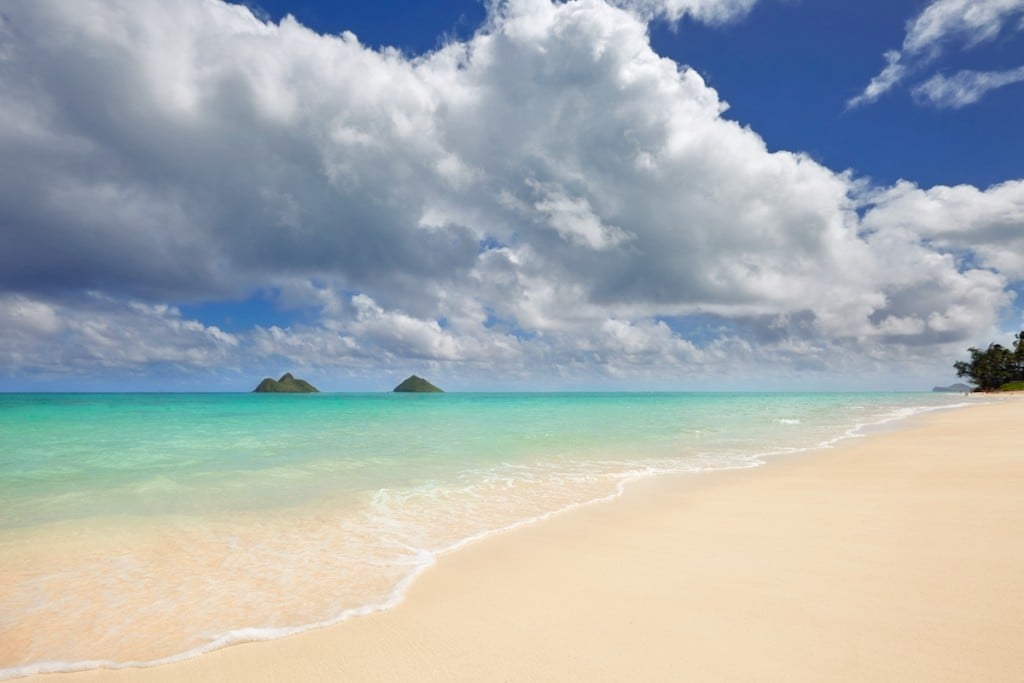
[641, 194]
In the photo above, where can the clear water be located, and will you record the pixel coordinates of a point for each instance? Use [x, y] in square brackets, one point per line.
[136, 528]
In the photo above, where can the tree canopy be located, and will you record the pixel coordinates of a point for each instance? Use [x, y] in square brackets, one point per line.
[995, 366]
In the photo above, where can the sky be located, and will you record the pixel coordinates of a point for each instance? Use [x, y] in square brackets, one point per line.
[508, 195]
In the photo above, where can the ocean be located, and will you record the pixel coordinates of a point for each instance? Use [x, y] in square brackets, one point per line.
[141, 528]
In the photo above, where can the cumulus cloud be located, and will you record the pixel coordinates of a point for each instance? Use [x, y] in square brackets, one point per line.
[537, 200]
[983, 227]
[965, 22]
[574, 218]
[96, 333]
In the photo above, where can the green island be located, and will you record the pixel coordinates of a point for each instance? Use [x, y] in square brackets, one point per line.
[996, 368]
[417, 385]
[286, 385]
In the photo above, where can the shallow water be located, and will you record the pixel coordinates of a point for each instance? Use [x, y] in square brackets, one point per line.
[138, 527]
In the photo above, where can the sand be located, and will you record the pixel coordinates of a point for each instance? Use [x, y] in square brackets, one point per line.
[895, 557]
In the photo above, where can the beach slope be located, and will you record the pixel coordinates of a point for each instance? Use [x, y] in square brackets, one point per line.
[895, 557]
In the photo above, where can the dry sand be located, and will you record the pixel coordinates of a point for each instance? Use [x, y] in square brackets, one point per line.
[897, 557]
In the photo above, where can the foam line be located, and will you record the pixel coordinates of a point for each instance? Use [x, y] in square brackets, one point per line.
[428, 558]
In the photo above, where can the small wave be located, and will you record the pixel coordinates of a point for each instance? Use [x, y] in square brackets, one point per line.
[423, 559]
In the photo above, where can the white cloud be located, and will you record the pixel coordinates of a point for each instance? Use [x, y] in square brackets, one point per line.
[892, 74]
[95, 333]
[21, 315]
[965, 87]
[968, 22]
[985, 227]
[536, 200]
[707, 11]
[573, 218]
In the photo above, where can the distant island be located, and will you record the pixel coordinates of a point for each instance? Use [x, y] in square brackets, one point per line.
[958, 388]
[286, 385]
[416, 385]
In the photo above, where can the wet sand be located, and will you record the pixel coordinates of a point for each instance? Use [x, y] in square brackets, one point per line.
[895, 557]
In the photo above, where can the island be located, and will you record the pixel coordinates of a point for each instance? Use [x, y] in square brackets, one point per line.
[416, 385]
[286, 385]
[959, 387]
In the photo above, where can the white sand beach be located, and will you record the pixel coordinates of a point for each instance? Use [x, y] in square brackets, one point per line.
[894, 557]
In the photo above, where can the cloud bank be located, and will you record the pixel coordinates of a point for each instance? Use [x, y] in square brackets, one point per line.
[548, 199]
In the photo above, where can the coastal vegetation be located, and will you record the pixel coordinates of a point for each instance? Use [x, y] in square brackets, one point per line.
[417, 385]
[286, 385]
[996, 368]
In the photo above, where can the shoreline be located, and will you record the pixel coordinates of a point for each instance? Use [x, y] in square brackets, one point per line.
[328, 653]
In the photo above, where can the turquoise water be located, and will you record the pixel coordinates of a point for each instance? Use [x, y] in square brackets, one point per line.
[138, 527]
